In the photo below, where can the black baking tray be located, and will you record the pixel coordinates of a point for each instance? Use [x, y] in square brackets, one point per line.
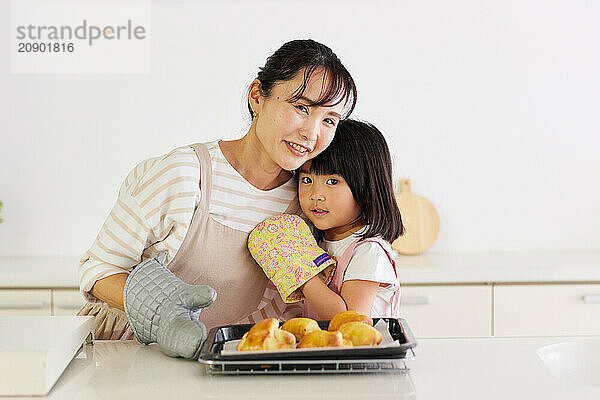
[398, 328]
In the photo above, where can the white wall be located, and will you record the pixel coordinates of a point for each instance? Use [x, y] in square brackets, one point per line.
[490, 107]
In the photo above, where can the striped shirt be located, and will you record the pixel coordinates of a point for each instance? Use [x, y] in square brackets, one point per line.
[155, 206]
[236, 203]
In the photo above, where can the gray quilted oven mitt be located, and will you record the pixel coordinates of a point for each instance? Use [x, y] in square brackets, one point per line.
[163, 309]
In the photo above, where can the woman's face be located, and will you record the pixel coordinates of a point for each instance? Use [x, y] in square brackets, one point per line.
[293, 133]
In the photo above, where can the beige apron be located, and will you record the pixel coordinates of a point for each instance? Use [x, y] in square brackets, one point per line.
[211, 254]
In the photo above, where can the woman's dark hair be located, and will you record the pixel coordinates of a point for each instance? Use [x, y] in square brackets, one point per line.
[359, 153]
[308, 55]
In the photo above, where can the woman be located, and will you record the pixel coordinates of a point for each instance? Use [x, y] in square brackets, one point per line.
[197, 204]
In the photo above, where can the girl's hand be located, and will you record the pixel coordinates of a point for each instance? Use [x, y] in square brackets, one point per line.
[325, 301]
[356, 295]
[359, 295]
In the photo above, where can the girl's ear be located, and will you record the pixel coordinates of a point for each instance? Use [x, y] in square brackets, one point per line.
[255, 97]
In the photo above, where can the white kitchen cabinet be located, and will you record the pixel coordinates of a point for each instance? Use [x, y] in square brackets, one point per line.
[66, 301]
[547, 310]
[448, 311]
[25, 302]
[445, 295]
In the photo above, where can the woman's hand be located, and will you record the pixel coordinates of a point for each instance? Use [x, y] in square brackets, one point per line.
[110, 290]
[163, 309]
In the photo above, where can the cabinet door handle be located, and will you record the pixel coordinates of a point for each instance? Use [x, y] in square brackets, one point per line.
[31, 305]
[70, 306]
[414, 301]
[591, 298]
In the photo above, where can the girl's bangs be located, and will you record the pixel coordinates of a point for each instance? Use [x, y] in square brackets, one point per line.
[327, 163]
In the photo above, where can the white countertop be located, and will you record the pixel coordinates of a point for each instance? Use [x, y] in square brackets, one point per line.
[487, 368]
[35, 350]
[500, 267]
[428, 268]
[39, 272]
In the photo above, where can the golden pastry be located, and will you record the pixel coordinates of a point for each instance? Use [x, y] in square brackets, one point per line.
[300, 327]
[323, 339]
[360, 334]
[266, 335]
[348, 316]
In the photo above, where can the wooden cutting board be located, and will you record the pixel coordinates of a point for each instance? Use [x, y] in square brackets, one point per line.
[421, 222]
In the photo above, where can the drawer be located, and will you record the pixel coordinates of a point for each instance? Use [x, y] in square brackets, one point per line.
[66, 302]
[546, 310]
[448, 311]
[25, 302]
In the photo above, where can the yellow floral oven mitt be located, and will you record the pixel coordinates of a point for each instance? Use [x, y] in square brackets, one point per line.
[288, 253]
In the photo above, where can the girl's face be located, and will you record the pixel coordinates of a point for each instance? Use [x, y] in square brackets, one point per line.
[328, 202]
[293, 133]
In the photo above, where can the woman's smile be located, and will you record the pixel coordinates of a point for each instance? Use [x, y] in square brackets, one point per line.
[291, 132]
[297, 149]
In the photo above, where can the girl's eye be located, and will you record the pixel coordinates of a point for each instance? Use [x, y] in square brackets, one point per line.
[305, 179]
[332, 181]
[302, 108]
[329, 121]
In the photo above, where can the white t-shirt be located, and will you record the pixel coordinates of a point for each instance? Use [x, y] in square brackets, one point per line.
[370, 263]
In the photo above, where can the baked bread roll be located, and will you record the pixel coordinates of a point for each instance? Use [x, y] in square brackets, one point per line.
[266, 335]
[360, 334]
[348, 316]
[322, 338]
[299, 327]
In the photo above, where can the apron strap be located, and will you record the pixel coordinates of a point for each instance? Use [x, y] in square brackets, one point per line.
[342, 266]
[205, 174]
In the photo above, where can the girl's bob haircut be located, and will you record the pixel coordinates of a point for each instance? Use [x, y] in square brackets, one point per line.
[359, 153]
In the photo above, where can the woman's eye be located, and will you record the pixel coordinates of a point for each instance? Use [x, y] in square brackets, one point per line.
[332, 181]
[302, 108]
[305, 179]
[329, 121]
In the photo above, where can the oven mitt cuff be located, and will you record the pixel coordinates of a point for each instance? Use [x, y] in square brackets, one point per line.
[284, 247]
[163, 309]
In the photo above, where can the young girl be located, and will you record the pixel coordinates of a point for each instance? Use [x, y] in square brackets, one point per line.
[347, 193]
